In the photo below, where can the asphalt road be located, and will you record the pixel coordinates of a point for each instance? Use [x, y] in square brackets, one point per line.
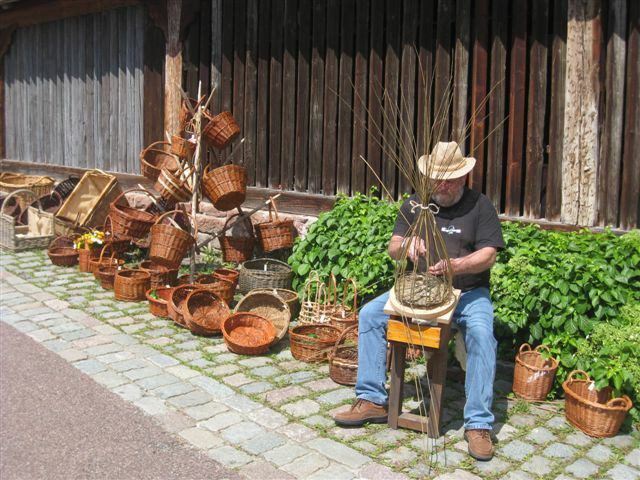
[57, 423]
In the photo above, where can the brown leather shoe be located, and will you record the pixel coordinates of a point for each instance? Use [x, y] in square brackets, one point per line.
[480, 444]
[361, 412]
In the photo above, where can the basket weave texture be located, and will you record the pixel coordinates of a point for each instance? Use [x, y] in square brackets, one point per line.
[593, 411]
[343, 315]
[160, 275]
[221, 130]
[176, 303]
[228, 274]
[533, 375]
[225, 186]
[171, 188]
[312, 343]
[248, 334]
[182, 147]
[268, 305]
[11, 182]
[65, 187]
[275, 233]
[315, 304]
[158, 306]
[169, 244]
[85, 255]
[62, 253]
[131, 285]
[155, 158]
[95, 263]
[106, 274]
[22, 237]
[130, 222]
[220, 286]
[343, 359]
[289, 296]
[238, 247]
[204, 312]
[264, 273]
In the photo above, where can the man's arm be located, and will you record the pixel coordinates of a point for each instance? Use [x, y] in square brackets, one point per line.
[416, 248]
[475, 262]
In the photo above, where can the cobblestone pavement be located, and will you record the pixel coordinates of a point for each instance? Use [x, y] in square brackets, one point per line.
[270, 416]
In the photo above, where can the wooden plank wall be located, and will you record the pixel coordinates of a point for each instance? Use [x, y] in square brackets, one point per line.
[74, 91]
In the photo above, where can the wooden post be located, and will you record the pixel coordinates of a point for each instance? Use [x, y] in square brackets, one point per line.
[173, 67]
[216, 52]
[460, 72]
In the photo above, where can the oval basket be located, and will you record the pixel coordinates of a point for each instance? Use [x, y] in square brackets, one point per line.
[131, 285]
[130, 222]
[264, 273]
[268, 305]
[274, 234]
[155, 158]
[238, 248]
[312, 343]
[170, 244]
[221, 130]
[158, 306]
[62, 254]
[176, 302]
[106, 274]
[182, 147]
[290, 297]
[222, 287]
[228, 274]
[225, 187]
[161, 276]
[593, 411]
[204, 312]
[533, 375]
[248, 334]
[343, 359]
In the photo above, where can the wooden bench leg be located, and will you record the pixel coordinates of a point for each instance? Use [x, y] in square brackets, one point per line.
[398, 353]
[437, 381]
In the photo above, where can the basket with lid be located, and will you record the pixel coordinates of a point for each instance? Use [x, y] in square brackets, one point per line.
[204, 312]
[533, 375]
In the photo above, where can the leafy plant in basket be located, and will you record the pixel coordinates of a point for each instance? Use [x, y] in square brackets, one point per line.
[88, 240]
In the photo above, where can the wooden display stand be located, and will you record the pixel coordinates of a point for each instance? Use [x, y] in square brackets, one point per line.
[435, 338]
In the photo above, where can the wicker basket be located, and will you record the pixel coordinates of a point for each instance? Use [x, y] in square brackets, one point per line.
[65, 187]
[12, 182]
[228, 274]
[131, 285]
[220, 286]
[264, 273]
[274, 234]
[343, 359]
[155, 158]
[181, 147]
[593, 411]
[221, 130]
[342, 314]
[130, 222]
[22, 237]
[247, 333]
[172, 188]
[62, 255]
[158, 306]
[290, 297]
[270, 306]
[315, 303]
[204, 312]
[238, 248]
[95, 263]
[118, 244]
[187, 111]
[85, 255]
[176, 301]
[161, 276]
[11, 207]
[186, 279]
[312, 343]
[225, 187]
[106, 275]
[48, 203]
[533, 375]
[170, 244]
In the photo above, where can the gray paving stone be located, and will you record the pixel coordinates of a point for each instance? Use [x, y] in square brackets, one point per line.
[399, 457]
[633, 458]
[259, 469]
[129, 392]
[557, 423]
[304, 466]
[237, 380]
[599, 454]
[374, 471]
[537, 465]
[77, 334]
[295, 377]
[364, 446]
[132, 328]
[321, 385]
[337, 396]
[388, 437]
[191, 399]
[251, 362]
[578, 439]
[541, 435]
[222, 370]
[338, 452]
[56, 345]
[159, 342]
[25, 326]
[582, 468]
[516, 450]
[205, 411]
[109, 379]
[140, 373]
[256, 387]
[114, 357]
[332, 472]
[504, 432]
[621, 441]
[201, 363]
[182, 372]
[125, 365]
[301, 408]
[41, 335]
[151, 405]
[214, 388]
[265, 371]
[65, 327]
[267, 417]
[159, 332]
[319, 421]
[559, 450]
[124, 340]
[241, 432]
[200, 438]
[285, 454]
[493, 467]
[343, 434]
[103, 349]
[173, 390]
[517, 475]
[90, 367]
[221, 421]
[241, 403]
[281, 395]
[623, 472]
[72, 355]
[522, 420]
[150, 383]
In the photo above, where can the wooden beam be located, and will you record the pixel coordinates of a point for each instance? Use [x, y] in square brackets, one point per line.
[216, 52]
[461, 73]
[153, 91]
[173, 68]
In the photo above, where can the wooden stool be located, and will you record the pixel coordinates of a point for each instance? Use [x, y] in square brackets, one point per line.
[433, 337]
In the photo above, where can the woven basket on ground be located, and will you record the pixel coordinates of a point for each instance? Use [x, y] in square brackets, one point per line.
[176, 303]
[225, 186]
[238, 246]
[314, 304]
[131, 285]
[343, 315]
[228, 274]
[37, 234]
[119, 244]
[94, 263]
[186, 279]
[275, 233]
[343, 359]
[84, 257]
[248, 333]
[204, 312]
[290, 297]
[48, 203]
[172, 188]
[169, 244]
[264, 273]
[158, 306]
[155, 158]
[130, 222]
[312, 343]
[270, 306]
[106, 275]
[182, 147]
[65, 187]
[220, 130]
[533, 375]
[161, 276]
[220, 286]
[62, 253]
[593, 411]
[40, 186]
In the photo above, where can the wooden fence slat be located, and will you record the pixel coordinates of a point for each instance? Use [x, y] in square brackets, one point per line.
[358, 168]
[33, 98]
[226, 74]
[123, 94]
[317, 90]
[239, 59]
[96, 80]
[426, 56]
[302, 96]
[216, 52]
[330, 107]
[153, 108]
[461, 73]
[204, 67]
[345, 117]
[374, 139]
[262, 117]
[288, 96]
[446, 15]
[38, 133]
[250, 92]
[391, 100]
[275, 93]
[5, 105]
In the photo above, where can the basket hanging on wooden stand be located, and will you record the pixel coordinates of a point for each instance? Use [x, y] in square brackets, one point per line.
[220, 130]
[220, 286]
[312, 343]
[204, 312]
[130, 222]
[264, 273]
[172, 188]
[22, 237]
[270, 306]
[187, 110]
[170, 244]
[182, 147]
[238, 248]
[62, 253]
[161, 276]
[176, 301]
[35, 186]
[158, 306]
[106, 274]
[225, 187]
[344, 315]
[343, 359]
[274, 234]
[155, 158]
[131, 285]
[533, 375]
[593, 411]
[248, 333]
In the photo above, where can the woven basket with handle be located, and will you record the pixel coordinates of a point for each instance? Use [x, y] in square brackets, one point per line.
[533, 375]
[238, 247]
[290, 297]
[172, 188]
[220, 130]
[275, 233]
[106, 275]
[182, 147]
[264, 273]
[343, 359]
[158, 306]
[222, 287]
[176, 302]
[22, 237]
[39, 186]
[225, 186]
[130, 222]
[312, 343]
[131, 285]
[314, 303]
[169, 244]
[155, 158]
[94, 263]
[161, 276]
[62, 253]
[343, 315]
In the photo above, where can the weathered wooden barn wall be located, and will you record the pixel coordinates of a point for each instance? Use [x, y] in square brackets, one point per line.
[73, 91]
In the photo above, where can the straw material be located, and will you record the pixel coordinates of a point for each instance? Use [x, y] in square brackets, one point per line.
[312, 343]
[95, 263]
[270, 306]
[248, 334]
[169, 244]
[343, 359]
[130, 222]
[158, 306]
[593, 411]
[533, 375]
[264, 273]
[204, 312]
[315, 304]
[343, 315]
[155, 158]
[221, 130]
[225, 187]
[62, 253]
[176, 301]
[131, 285]
[289, 296]
[222, 287]
[161, 276]
[16, 237]
[275, 233]
[11, 182]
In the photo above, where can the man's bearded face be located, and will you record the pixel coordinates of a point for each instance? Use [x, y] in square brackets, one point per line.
[449, 192]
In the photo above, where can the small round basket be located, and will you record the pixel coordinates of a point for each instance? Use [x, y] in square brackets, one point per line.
[204, 312]
[343, 359]
[62, 253]
[268, 305]
[225, 186]
[176, 303]
[248, 333]
[227, 274]
[106, 274]
[156, 157]
[221, 130]
[312, 343]
[158, 306]
[127, 221]
[131, 285]
[533, 375]
[264, 273]
[161, 276]
[95, 263]
[289, 296]
[593, 411]
[170, 244]
[220, 286]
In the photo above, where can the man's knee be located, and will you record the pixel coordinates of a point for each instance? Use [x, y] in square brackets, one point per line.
[372, 316]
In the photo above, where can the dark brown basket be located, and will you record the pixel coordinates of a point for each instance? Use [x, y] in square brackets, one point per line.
[312, 343]
[187, 110]
[221, 130]
[65, 187]
[182, 147]
[274, 234]
[225, 186]
[228, 274]
[220, 286]
[533, 375]
[290, 297]
[170, 244]
[343, 359]
[161, 276]
[95, 263]
[131, 285]
[238, 248]
[119, 244]
[155, 158]
[176, 303]
[264, 273]
[204, 312]
[247, 333]
[158, 306]
[63, 255]
[130, 222]
[593, 411]
[172, 188]
[270, 306]
[106, 274]
[186, 279]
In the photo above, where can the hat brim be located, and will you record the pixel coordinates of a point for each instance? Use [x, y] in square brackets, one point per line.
[469, 163]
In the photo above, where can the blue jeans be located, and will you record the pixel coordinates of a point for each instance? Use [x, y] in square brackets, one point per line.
[474, 318]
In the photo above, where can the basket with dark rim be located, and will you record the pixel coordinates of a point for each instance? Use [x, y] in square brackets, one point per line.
[158, 306]
[62, 255]
[182, 147]
[533, 375]
[130, 222]
[118, 244]
[172, 188]
[228, 274]
[131, 285]
[270, 306]
[248, 333]
[176, 301]
[106, 275]
[593, 411]
[204, 312]
[343, 359]
[155, 158]
[264, 273]
[225, 186]
[312, 343]
[169, 244]
[343, 315]
[94, 263]
[220, 286]
[220, 130]
[187, 110]
[290, 297]
[274, 234]
[238, 248]
[161, 276]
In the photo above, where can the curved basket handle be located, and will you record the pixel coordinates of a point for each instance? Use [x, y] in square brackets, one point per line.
[332, 290]
[313, 277]
[61, 237]
[525, 347]
[272, 205]
[624, 402]
[539, 348]
[572, 375]
[345, 291]
[102, 250]
[144, 190]
[247, 220]
[341, 338]
[20, 190]
[151, 147]
[193, 219]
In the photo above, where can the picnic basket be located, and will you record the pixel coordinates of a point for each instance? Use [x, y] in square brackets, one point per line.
[131, 285]
[220, 130]
[161, 276]
[270, 306]
[204, 312]
[593, 411]
[312, 343]
[343, 359]
[155, 158]
[238, 247]
[158, 306]
[274, 234]
[130, 222]
[169, 244]
[533, 375]
[225, 186]
[39, 186]
[38, 234]
[62, 255]
[248, 333]
[176, 301]
[264, 273]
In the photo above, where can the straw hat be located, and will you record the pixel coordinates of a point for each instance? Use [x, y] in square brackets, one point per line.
[445, 162]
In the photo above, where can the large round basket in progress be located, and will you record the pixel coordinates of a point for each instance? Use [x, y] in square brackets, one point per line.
[225, 186]
[248, 334]
[158, 306]
[533, 375]
[131, 285]
[204, 312]
[593, 411]
[290, 297]
[264, 273]
[270, 306]
[312, 343]
[176, 303]
[343, 359]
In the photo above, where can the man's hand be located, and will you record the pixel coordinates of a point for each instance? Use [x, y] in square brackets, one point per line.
[416, 248]
[440, 268]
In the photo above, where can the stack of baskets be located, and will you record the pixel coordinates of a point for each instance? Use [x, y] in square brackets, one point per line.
[222, 287]
[534, 374]
[155, 158]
